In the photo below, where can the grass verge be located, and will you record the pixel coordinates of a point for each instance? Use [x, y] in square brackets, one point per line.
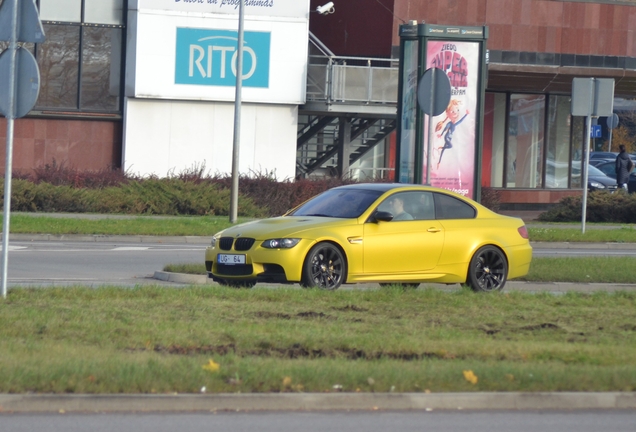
[595, 233]
[140, 225]
[564, 269]
[158, 340]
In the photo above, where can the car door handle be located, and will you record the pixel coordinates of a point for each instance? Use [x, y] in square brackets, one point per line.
[434, 229]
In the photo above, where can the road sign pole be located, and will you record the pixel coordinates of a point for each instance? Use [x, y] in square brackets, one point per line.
[237, 118]
[9, 150]
[584, 163]
[429, 151]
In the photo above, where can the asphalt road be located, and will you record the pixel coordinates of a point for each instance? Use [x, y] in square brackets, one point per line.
[434, 421]
[44, 260]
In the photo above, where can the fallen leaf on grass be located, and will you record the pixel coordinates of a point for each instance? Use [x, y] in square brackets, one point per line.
[470, 376]
[212, 366]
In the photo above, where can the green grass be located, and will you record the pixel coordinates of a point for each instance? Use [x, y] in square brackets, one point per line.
[543, 269]
[141, 225]
[593, 233]
[157, 340]
[616, 269]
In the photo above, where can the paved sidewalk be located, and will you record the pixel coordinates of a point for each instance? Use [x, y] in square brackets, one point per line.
[21, 403]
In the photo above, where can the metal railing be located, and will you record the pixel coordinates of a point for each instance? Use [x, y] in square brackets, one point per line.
[341, 79]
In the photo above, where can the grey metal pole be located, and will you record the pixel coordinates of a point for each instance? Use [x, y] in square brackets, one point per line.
[9, 150]
[429, 151]
[584, 159]
[237, 118]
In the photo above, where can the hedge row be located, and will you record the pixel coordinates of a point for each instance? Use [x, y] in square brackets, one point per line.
[618, 207]
[57, 188]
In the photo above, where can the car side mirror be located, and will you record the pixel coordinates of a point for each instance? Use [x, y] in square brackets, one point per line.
[382, 216]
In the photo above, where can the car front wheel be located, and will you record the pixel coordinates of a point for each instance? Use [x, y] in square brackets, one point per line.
[324, 267]
[488, 270]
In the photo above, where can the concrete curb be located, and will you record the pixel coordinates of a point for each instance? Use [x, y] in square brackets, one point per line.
[317, 402]
[182, 278]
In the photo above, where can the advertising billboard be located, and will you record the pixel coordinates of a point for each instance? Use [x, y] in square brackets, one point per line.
[187, 50]
[454, 138]
[208, 57]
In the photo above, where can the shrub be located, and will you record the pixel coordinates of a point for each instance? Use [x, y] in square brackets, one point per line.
[601, 206]
[61, 175]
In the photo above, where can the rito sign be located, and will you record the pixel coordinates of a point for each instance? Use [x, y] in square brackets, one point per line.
[208, 57]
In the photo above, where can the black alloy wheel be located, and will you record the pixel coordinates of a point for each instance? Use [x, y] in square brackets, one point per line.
[324, 267]
[488, 270]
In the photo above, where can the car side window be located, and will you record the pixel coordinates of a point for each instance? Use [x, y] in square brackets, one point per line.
[448, 207]
[423, 206]
[399, 205]
[608, 169]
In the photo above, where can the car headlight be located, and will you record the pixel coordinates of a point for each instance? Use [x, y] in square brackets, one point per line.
[597, 185]
[213, 242]
[281, 243]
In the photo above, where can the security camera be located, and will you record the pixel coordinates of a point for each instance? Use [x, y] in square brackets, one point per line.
[325, 9]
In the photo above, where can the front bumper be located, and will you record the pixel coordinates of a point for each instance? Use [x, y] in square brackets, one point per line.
[261, 264]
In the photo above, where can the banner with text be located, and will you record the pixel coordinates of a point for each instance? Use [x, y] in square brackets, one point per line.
[454, 138]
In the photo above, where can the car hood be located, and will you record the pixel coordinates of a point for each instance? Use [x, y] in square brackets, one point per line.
[604, 180]
[284, 226]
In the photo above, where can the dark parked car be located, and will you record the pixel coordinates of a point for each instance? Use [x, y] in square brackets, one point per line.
[597, 162]
[603, 155]
[598, 180]
[608, 168]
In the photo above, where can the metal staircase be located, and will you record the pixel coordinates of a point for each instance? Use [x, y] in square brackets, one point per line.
[350, 111]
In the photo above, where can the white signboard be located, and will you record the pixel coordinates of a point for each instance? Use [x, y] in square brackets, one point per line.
[275, 8]
[193, 56]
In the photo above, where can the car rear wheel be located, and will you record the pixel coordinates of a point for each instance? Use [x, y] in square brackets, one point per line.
[403, 285]
[488, 270]
[324, 267]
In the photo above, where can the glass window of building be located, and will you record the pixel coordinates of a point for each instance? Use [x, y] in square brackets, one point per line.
[494, 140]
[103, 12]
[516, 151]
[61, 10]
[578, 141]
[557, 165]
[58, 60]
[101, 66]
[80, 61]
[526, 123]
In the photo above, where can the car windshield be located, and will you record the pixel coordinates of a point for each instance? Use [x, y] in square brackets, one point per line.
[338, 203]
[592, 170]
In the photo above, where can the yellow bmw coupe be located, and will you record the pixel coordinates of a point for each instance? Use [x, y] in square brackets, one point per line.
[375, 232]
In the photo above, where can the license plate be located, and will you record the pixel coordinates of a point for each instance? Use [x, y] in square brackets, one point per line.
[229, 259]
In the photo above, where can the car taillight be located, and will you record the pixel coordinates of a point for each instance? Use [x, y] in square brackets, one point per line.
[523, 231]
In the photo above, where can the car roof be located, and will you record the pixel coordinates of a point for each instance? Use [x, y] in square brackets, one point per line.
[385, 187]
[602, 154]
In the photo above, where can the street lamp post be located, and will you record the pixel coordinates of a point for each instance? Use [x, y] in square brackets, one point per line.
[237, 118]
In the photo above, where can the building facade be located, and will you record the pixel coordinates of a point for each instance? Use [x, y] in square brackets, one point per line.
[532, 147]
[148, 86]
[143, 85]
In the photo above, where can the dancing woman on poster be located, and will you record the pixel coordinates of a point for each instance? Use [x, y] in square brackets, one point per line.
[452, 120]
